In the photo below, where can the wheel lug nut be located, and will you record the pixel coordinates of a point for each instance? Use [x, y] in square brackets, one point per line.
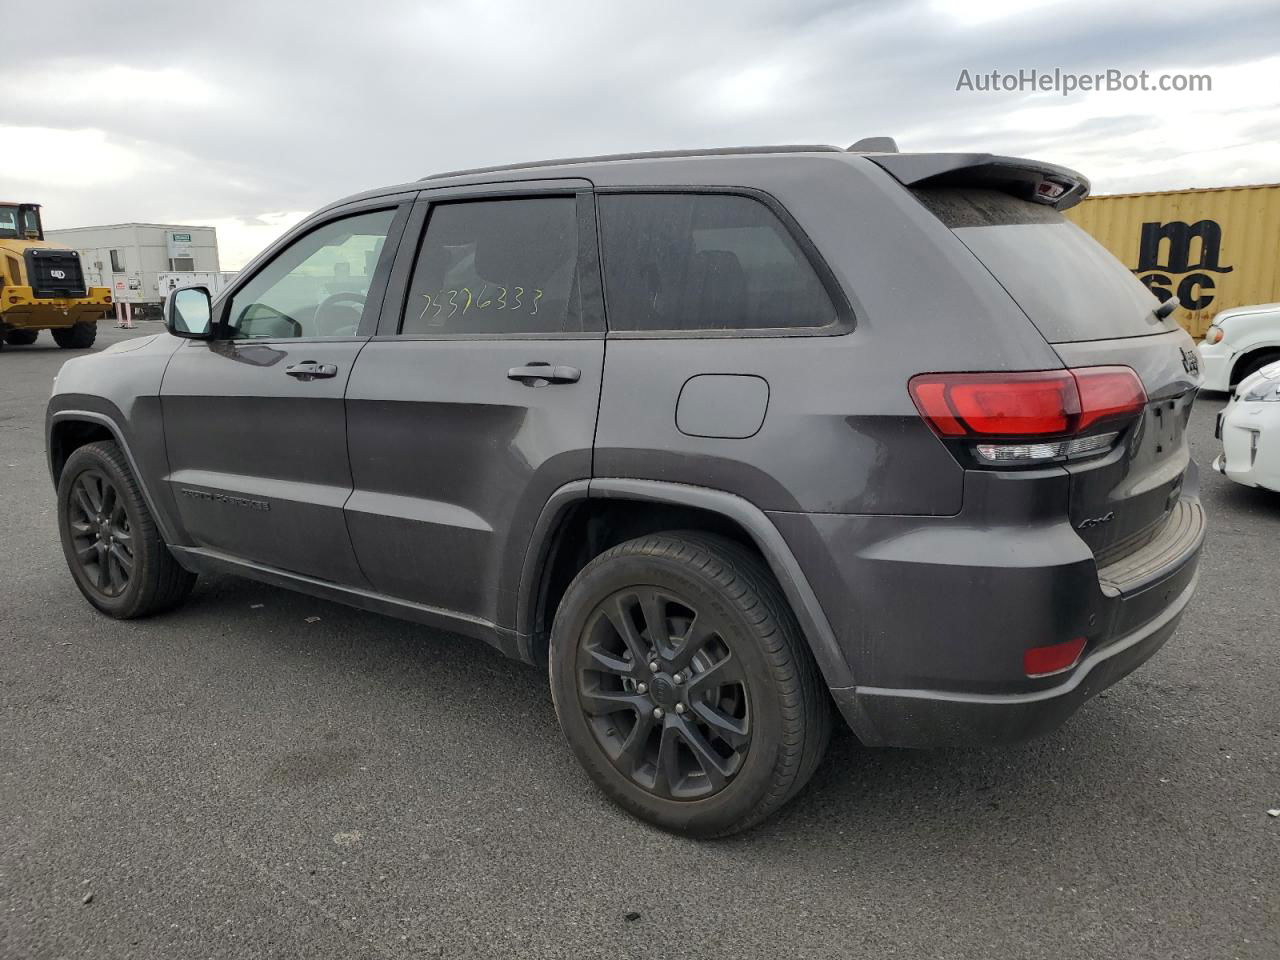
[678, 678]
[642, 688]
[653, 666]
[657, 713]
[680, 708]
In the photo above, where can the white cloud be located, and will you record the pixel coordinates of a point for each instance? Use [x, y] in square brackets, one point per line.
[42, 155]
[217, 118]
[68, 83]
[240, 241]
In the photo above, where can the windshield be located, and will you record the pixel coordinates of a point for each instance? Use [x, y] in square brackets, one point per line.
[1070, 286]
[8, 221]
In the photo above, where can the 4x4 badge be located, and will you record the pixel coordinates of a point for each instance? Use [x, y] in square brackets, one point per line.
[1088, 522]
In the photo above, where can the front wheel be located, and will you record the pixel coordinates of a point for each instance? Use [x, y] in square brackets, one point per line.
[21, 338]
[79, 337]
[683, 685]
[110, 540]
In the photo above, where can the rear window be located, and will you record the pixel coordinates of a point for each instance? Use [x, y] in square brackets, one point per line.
[687, 261]
[1063, 279]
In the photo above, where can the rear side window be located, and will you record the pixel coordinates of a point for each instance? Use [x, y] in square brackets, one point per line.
[1070, 286]
[497, 267]
[686, 261]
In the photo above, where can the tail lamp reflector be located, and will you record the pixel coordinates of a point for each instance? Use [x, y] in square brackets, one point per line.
[1055, 658]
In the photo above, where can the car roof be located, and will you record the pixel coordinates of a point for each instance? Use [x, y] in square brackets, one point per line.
[694, 167]
[642, 155]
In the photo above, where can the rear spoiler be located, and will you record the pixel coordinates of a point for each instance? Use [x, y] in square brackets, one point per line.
[1045, 183]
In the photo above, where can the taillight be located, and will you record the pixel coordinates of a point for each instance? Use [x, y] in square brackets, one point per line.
[1213, 335]
[1029, 417]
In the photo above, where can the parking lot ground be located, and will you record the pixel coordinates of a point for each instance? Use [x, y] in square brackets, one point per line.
[231, 780]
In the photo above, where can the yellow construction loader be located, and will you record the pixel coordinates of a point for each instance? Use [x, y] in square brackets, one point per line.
[42, 286]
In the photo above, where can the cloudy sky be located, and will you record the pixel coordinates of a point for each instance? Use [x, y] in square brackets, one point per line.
[246, 115]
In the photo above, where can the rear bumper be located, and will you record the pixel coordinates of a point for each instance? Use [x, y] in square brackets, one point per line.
[923, 718]
[934, 616]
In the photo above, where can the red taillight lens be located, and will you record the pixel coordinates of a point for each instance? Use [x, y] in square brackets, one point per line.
[1042, 661]
[997, 404]
[1108, 393]
[1038, 404]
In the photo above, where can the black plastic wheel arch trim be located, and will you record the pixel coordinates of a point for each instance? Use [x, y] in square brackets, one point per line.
[782, 562]
[102, 419]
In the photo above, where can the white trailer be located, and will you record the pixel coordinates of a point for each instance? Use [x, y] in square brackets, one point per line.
[130, 257]
[215, 280]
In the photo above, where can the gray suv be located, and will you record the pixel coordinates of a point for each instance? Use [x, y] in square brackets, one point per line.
[723, 439]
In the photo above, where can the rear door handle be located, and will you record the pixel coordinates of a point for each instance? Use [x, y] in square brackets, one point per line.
[310, 370]
[539, 374]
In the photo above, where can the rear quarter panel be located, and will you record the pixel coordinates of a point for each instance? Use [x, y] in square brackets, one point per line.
[841, 434]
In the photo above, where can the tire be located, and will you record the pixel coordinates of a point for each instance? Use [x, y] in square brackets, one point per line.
[1251, 364]
[97, 483]
[719, 758]
[21, 338]
[79, 337]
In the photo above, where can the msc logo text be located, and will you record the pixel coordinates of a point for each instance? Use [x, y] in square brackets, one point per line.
[1195, 290]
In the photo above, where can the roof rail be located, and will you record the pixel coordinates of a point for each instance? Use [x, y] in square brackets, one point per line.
[875, 145]
[647, 155]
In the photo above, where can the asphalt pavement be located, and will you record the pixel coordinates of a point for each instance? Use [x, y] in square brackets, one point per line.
[237, 780]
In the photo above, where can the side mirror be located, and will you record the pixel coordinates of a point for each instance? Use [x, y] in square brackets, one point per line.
[188, 313]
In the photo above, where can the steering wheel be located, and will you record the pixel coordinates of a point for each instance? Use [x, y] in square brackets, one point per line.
[357, 298]
[335, 298]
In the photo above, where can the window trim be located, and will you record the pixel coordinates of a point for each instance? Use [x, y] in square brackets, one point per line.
[400, 203]
[845, 320]
[590, 280]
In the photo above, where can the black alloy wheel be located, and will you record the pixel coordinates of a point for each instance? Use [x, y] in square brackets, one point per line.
[113, 547]
[663, 693]
[684, 684]
[101, 536]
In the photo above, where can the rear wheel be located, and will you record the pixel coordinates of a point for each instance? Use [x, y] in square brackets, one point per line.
[110, 540]
[684, 686]
[21, 338]
[79, 337]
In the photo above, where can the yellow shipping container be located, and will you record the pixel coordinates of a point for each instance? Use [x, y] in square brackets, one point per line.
[1212, 248]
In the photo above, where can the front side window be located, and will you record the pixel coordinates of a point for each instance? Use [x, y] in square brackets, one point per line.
[8, 221]
[687, 261]
[497, 267]
[317, 286]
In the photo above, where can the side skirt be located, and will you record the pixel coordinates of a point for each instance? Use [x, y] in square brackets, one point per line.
[201, 560]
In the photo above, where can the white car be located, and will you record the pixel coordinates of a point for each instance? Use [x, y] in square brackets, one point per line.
[1241, 341]
[1249, 428]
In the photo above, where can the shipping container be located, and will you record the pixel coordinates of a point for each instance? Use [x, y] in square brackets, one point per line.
[1212, 248]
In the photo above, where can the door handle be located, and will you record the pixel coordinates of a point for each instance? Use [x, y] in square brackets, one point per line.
[539, 374]
[310, 370]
